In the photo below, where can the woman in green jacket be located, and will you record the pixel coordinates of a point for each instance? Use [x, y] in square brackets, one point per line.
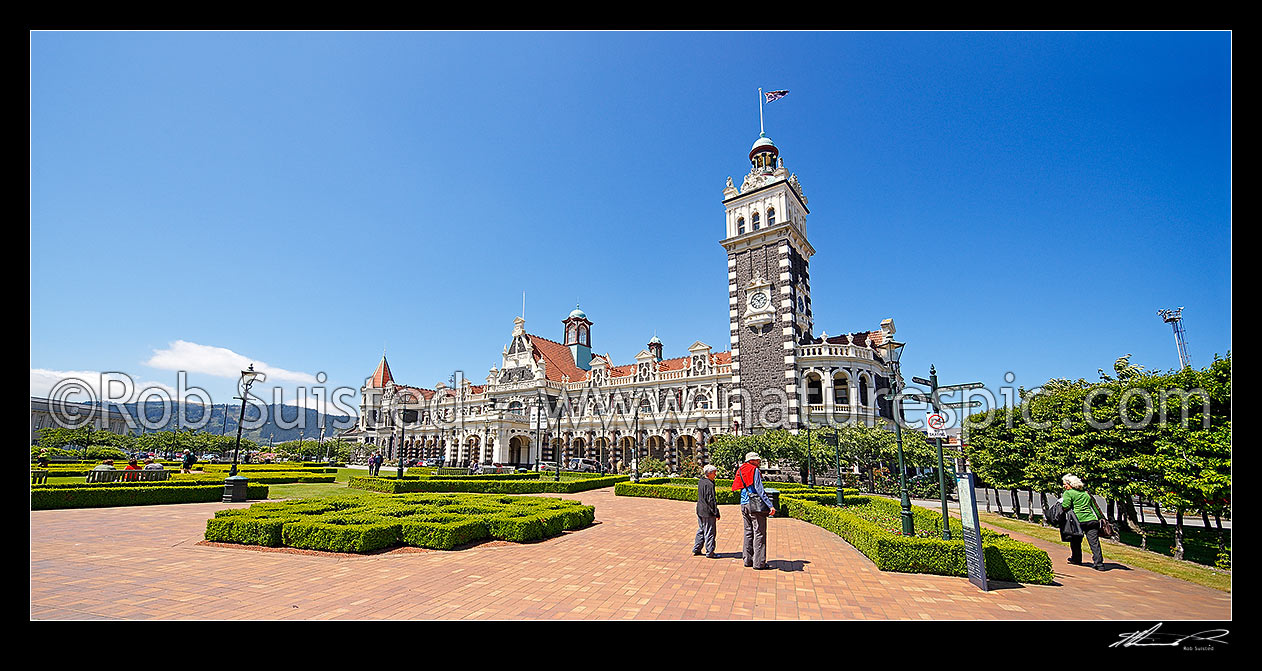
[1080, 503]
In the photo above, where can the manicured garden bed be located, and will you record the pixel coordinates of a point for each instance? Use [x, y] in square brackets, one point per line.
[373, 522]
[873, 526]
[137, 494]
[534, 485]
[685, 489]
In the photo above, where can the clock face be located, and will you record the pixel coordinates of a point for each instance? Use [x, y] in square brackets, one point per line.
[758, 301]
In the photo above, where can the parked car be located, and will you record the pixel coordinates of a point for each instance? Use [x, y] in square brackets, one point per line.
[546, 466]
[585, 465]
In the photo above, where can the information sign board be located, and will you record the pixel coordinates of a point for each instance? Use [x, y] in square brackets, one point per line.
[973, 555]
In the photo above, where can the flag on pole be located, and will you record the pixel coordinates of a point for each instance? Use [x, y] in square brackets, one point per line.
[775, 95]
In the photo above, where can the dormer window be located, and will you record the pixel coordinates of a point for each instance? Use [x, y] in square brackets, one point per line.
[771, 217]
[754, 219]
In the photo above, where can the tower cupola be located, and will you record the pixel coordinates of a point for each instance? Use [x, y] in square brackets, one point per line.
[655, 348]
[578, 337]
[764, 157]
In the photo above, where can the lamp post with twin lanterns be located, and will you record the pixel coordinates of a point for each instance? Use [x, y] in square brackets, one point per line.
[234, 490]
[402, 431]
[894, 351]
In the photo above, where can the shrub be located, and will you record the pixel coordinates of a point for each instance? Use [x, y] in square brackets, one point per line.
[653, 465]
[440, 521]
[483, 486]
[91, 496]
[1006, 559]
[680, 489]
[872, 525]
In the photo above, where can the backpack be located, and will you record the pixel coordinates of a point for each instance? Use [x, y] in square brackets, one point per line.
[1055, 515]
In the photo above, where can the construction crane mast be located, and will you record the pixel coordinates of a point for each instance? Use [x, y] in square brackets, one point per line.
[1175, 319]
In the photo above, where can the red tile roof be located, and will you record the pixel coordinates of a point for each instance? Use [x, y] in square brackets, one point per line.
[678, 363]
[415, 393]
[382, 375]
[559, 360]
[862, 338]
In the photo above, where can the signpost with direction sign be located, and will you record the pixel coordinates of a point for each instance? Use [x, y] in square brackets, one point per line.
[936, 428]
[973, 556]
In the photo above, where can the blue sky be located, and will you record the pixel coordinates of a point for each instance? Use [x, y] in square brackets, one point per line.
[1017, 202]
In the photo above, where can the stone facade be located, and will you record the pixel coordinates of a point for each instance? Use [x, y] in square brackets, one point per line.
[778, 374]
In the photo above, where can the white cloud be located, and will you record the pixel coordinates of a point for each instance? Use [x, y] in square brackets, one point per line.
[89, 385]
[218, 361]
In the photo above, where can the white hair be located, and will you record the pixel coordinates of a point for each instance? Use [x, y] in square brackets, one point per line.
[709, 468]
[1072, 481]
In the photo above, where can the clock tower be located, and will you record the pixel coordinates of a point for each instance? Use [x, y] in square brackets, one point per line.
[769, 292]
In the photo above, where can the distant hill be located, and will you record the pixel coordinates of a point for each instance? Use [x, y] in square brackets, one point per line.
[223, 419]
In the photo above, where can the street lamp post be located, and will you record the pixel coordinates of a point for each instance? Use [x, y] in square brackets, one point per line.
[808, 454]
[235, 485]
[635, 419]
[402, 435]
[895, 352]
[841, 495]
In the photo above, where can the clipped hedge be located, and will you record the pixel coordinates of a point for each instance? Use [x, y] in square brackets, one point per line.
[89, 496]
[438, 521]
[482, 486]
[257, 477]
[263, 468]
[1006, 559]
[649, 488]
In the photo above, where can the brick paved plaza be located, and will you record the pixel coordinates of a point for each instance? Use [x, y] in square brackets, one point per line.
[145, 562]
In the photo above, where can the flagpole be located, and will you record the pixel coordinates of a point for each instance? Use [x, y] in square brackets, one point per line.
[761, 130]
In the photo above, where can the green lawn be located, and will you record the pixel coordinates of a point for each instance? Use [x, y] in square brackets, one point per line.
[1122, 554]
[1200, 545]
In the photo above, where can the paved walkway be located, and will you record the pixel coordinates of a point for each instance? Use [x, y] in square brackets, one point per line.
[145, 562]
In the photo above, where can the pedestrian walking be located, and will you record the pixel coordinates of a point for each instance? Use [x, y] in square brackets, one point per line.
[755, 508]
[186, 464]
[707, 512]
[1084, 508]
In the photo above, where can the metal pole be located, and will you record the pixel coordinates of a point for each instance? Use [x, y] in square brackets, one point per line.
[841, 495]
[636, 431]
[808, 455]
[933, 398]
[240, 420]
[909, 526]
[399, 447]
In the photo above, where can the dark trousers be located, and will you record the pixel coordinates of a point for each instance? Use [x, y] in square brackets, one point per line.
[1092, 531]
[755, 551]
[707, 529]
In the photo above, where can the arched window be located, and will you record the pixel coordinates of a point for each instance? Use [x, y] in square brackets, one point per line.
[515, 406]
[814, 390]
[582, 336]
[754, 218]
[863, 390]
[703, 402]
[571, 333]
[740, 225]
[771, 217]
[841, 389]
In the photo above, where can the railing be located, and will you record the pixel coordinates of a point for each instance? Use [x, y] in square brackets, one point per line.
[835, 351]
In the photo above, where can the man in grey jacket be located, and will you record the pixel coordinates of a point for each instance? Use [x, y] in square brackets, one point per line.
[707, 512]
